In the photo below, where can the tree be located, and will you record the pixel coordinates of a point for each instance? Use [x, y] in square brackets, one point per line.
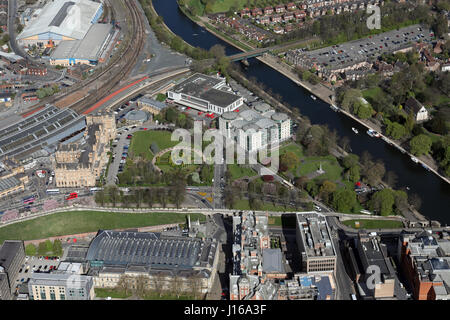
[113, 194]
[30, 250]
[395, 129]
[48, 246]
[312, 188]
[57, 248]
[350, 160]
[391, 178]
[124, 284]
[420, 144]
[353, 174]
[100, 197]
[344, 200]
[326, 190]
[415, 201]
[375, 173]
[289, 159]
[42, 248]
[382, 201]
[401, 201]
[217, 50]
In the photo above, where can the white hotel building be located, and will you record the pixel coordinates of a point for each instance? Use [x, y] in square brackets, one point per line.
[205, 93]
[255, 128]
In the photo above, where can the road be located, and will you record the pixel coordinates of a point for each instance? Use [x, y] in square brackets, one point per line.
[219, 178]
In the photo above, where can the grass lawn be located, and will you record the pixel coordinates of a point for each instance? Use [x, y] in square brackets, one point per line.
[87, 221]
[238, 171]
[142, 140]
[292, 147]
[113, 293]
[370, 94]
[374, 224]
[266, 206]
[333, 170]
[286, 220]
[120, 294]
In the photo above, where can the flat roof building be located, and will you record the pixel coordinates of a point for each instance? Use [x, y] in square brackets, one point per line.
[12, 256]
[255, 128]
[315, 244]
[60, 286]
[205, 93]
[61, 20]
[85, 51]
[373, 256]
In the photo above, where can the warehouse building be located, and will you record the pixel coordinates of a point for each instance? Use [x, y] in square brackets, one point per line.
[86, 51]
[315, 243]
[205, 93]
[61, 20]
[114, 254]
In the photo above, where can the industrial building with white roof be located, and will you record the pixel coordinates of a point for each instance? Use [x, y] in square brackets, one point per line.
[205, 93]
[61, 20]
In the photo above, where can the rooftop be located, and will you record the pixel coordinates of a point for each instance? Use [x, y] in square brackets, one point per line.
[89, 48]
[8, 252]
[71, 19]
[147, 248]
[273, 261]
[315, 234]
[206, 88]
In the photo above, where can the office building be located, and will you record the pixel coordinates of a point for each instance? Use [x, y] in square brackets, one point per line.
[315, 244]
[60, 286]
[12, 256]
[373, 256]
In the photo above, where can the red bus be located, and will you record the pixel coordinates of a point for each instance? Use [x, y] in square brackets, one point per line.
[73, 195]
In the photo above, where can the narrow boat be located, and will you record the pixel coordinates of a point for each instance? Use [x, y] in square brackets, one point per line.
[334, 108]
[355, 130]
[313, 97]
[414, 159]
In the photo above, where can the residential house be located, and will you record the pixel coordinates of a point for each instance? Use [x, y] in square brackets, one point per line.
[419, 111]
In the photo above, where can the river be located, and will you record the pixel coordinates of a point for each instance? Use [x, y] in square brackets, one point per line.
[433, 191]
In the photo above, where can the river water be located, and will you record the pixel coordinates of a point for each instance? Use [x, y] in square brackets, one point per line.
[434, 192]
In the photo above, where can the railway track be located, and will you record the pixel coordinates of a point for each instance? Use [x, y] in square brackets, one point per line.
[114, 73]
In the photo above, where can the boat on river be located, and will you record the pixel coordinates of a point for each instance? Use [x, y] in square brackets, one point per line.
[373, 133]
[414, 159]
[313, 97]
[334, 108]
[355, 130]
